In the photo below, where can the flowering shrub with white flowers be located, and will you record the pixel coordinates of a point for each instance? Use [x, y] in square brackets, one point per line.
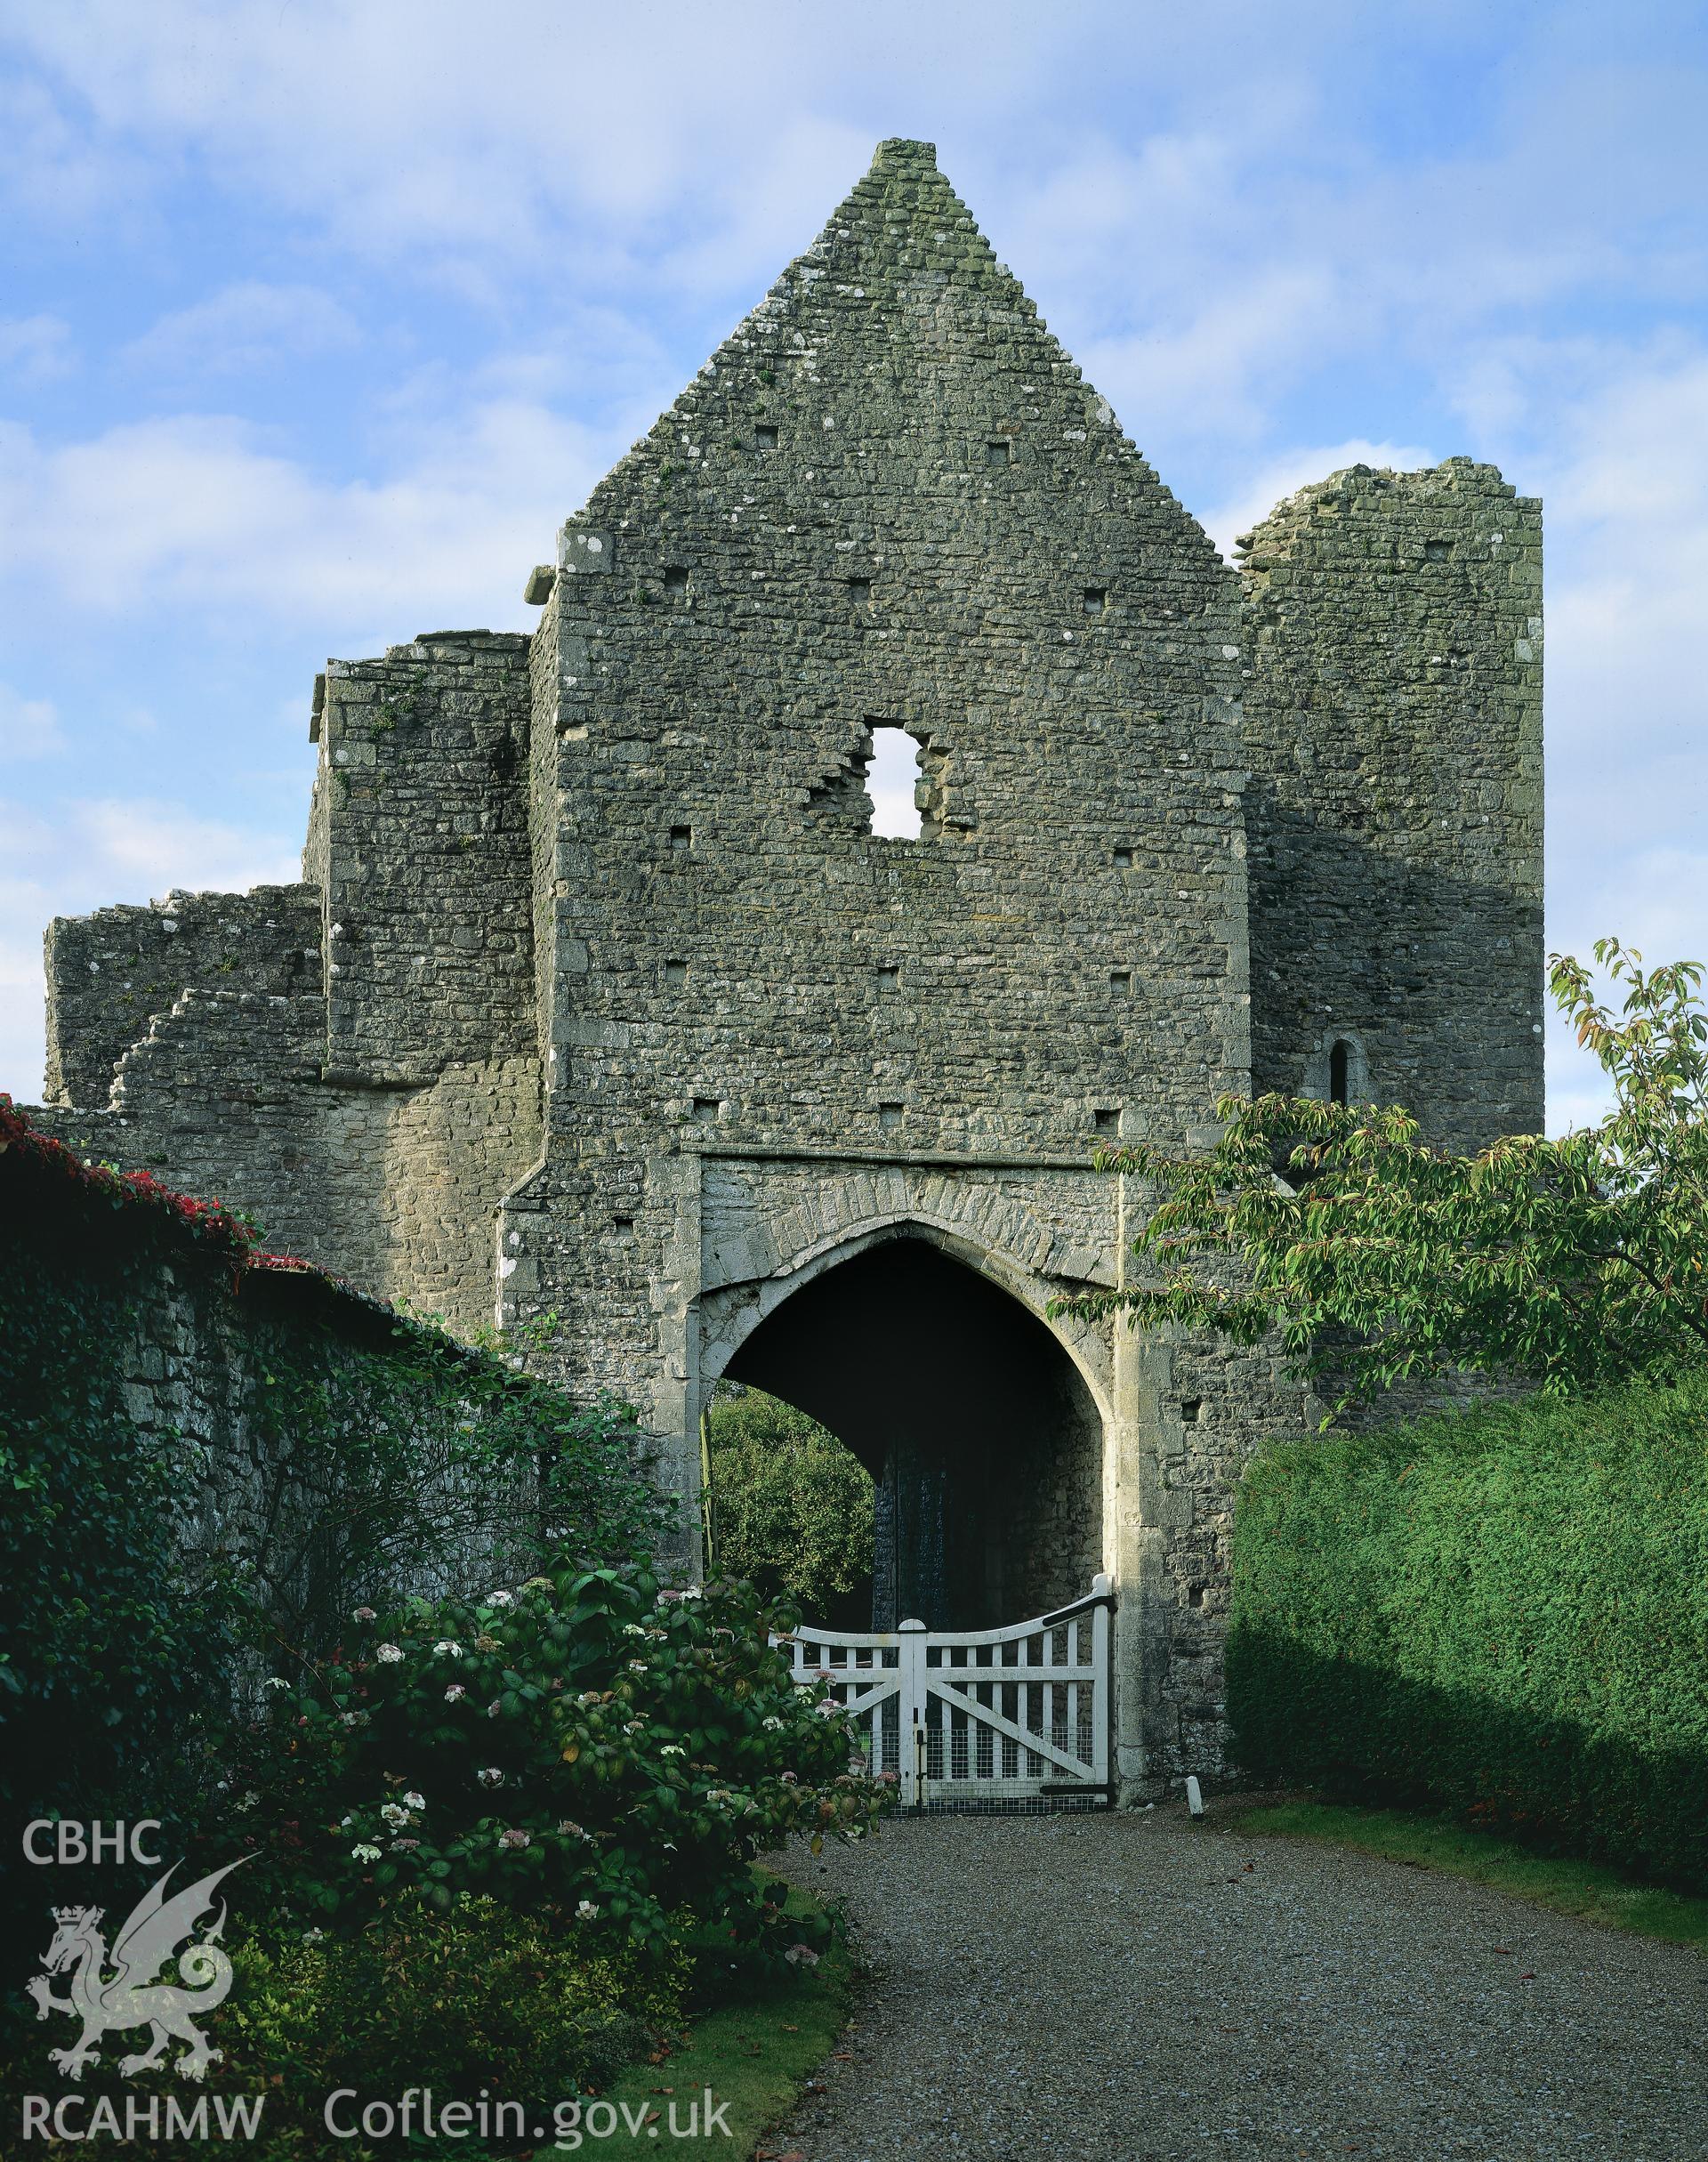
[589, 1744]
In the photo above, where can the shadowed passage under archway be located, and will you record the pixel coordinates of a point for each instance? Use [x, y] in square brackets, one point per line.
[984, 1441]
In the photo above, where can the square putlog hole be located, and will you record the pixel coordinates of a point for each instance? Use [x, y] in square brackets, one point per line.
[889, 1114]
[1436, 551]
[1096, 601]
[675, 579]
[765, 436]
[1107, 1119]
[999, 451]
[1123, 859]
[859, 591]
[1192, 1410]
[681, 837]
[675, 974]
[1121, 982]
[706, 1110]
[889, 978]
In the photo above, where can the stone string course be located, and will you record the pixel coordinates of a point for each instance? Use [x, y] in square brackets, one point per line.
[599, 998]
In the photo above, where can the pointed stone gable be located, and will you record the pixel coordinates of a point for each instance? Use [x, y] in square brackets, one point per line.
[899, 323]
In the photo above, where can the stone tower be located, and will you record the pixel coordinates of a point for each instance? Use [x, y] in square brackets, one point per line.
[600, 999]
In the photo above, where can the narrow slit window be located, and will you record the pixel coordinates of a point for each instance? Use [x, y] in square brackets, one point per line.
[1339, 1059]
[892, 777]
[681, 837]
[675, 579]
[765, 436]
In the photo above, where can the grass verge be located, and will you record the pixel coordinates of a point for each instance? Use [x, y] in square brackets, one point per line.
[755, 2056]
[1591, 1891]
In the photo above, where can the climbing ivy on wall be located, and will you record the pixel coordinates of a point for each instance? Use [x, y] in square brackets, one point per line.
[207, 1453]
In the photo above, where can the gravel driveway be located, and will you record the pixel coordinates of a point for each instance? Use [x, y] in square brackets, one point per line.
[1142, 1988]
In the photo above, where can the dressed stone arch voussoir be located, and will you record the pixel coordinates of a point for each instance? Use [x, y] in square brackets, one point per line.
[747, 1275]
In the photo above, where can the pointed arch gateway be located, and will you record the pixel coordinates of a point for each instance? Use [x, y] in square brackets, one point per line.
[982, 1435]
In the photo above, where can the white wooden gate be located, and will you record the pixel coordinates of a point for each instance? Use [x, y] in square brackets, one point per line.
[977, 1718]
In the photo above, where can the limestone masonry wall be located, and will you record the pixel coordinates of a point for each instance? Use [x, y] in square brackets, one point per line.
[1393, 625]
[601, 1000]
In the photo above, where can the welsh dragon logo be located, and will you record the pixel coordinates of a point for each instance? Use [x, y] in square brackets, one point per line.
[131, 1996]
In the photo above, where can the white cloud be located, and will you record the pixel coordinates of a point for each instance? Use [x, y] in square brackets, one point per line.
[85, 853]
[243, 329]
[203, 514]
[29, 727]
[36, 348]
[1218, 368]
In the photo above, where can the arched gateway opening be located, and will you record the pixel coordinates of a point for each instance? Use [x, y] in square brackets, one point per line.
[982, 1440]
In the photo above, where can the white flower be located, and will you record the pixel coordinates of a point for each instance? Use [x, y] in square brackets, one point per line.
[354, 1719]
[364, 1613]
[586, 1912]
[515, 1839]
[829, 1709]
[571, 1829]
[345, 1823]
[494, 1707]
[637, 1666]
[500, 1599]
[412, 1800]
[801, 1956]
[632, 1629]
[491, 1777]
[388, 1655]
[394, 1814]
[673, 1749]
[588, 1696]
[314, 1936]
[455, 1690]
[448, 1648]
[772, 1724]
[363, 1853]
[275, 1682]
[247, 1800]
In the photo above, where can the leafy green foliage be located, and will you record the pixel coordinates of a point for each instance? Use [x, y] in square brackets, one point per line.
[537, 2011]
[1569, 1264]
[1504, 1612]
[588, 1744]
[127, 1602]
[792, 1506]
[480, 1996]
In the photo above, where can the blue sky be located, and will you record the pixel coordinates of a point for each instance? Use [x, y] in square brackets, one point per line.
[317, 319]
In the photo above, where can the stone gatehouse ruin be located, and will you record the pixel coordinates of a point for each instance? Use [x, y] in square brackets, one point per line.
[599, 998]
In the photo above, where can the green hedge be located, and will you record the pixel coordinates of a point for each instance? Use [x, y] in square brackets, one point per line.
[1504, 1613]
